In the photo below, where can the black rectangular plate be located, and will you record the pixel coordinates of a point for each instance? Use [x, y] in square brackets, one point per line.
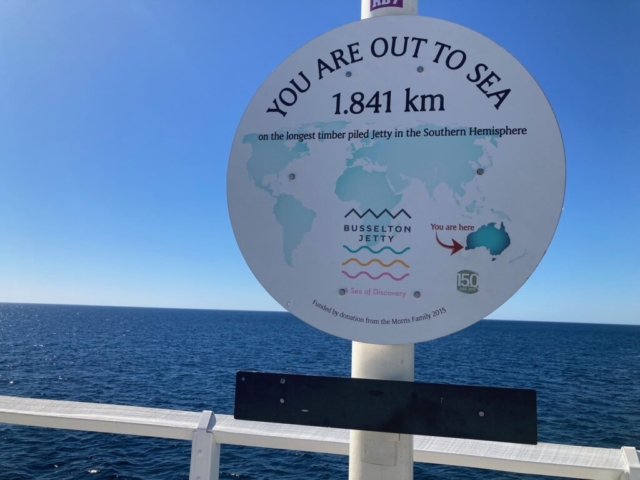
[478, 413]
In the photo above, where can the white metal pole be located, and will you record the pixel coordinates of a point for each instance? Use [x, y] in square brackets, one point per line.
[373, 455]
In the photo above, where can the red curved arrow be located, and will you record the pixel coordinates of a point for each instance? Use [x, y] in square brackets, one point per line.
[456, 247]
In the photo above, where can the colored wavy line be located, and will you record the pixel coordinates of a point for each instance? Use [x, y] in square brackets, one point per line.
[387, 265]
[377, 215]
[378, 277]
[377, 251]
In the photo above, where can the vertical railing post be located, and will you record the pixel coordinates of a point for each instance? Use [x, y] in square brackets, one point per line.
[632, 469]
[372, 455]
[205, 452]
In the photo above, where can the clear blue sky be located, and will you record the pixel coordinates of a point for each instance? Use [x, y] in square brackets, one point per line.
[116, 120]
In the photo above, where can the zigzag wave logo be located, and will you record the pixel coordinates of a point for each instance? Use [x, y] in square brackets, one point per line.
[377, 215]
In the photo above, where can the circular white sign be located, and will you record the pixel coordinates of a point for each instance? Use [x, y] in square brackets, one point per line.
[396, 180]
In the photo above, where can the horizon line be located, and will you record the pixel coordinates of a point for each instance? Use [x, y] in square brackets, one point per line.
[285, 311]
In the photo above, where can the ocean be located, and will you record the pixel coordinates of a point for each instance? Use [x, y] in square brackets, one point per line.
[586, 376]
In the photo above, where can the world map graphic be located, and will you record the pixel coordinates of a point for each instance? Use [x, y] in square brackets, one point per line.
[375, 175]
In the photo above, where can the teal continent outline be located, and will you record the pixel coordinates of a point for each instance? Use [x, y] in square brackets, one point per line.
[496, 240]
[271, 157]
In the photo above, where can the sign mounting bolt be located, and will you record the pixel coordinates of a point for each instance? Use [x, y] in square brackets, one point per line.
[480, 171]
[292, 176]
[348, 74]
[282, 400]
[481, 414]
[342, 291]
[417, 294]
[420, 69]
[282, 380]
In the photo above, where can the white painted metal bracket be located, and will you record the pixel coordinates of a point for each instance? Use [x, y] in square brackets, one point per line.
[632, 467]
[205, 452]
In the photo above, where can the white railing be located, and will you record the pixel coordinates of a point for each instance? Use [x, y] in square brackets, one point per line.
[208, 431]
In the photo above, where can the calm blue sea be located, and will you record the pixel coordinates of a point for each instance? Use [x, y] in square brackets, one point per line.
[587, 379]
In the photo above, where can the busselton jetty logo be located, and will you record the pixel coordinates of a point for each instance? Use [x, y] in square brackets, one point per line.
[381, 232]
[373, 234]
[376, 4]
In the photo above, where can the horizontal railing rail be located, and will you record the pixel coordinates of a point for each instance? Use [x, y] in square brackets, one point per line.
[208, 431]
